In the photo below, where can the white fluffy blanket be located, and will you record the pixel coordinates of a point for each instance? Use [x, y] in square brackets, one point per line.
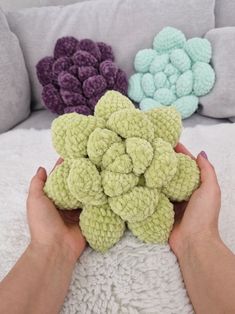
[132, 277]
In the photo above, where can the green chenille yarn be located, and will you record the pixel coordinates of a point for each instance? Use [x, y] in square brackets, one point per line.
[102, 227]
[163, 166]
[154, 228]
[135, 205]
[120, 167]
[84, 181]
[71, 132]
[166, 124]
[174, 73]
[57, 188]
[185, 180]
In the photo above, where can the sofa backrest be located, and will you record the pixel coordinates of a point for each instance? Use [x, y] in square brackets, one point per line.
[127, 26]
[10, 5]
[224, 13]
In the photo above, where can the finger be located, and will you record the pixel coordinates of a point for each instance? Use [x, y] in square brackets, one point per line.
[37, 183]
[180, 148]
[208, 175]
[59, 161]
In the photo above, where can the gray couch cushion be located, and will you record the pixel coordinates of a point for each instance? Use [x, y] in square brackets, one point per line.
[220, 102]
[11, 5]
[127, 25]
[224, 13]
[14, 82]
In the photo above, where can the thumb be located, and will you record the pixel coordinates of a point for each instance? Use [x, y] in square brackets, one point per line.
[208, 175]
[37, 183]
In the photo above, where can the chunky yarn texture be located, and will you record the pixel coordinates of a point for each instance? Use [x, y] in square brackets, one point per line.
[78, 74]
[120, 167]
[175, 72]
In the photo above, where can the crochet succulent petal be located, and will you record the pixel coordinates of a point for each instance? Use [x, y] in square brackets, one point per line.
[115, 151]
[121, 82]
[135, 91]
[69, 82]
[180, 60]
[160, 80]
[94, 85]
[84, 182]
[131, 123]
[187, 105]
[89, 46]
[44, 70]
[106, 51]
[159, 63]
[72, 99]
[115, 184]
[84, 72]
[184, 84]
[70, 134]
[121, 164]
[98, 143]
[61, 64]
[65, 46]
[58, 130]
[52, 99]
[166, 123]
[185, 180]
[155, 228]
[204, 78]
[84, 58]
[143, 60]
[167, 39]
[141, 153]
[163, 166]
[110, 103]
[148, 85]
[135, 205]
[164, 96]
[57, 188]
[173, 69]
[101, 227]
[199, 49]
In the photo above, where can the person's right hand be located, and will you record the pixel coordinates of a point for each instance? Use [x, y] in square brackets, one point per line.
[198, 218]
[48, 226]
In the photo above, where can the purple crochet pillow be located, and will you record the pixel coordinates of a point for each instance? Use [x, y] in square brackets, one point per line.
[78, 74]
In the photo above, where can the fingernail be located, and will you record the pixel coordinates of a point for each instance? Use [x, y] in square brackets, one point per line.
[39, 169]
[203, 154]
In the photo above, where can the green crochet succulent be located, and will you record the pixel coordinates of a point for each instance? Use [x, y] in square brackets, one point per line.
[121, 169]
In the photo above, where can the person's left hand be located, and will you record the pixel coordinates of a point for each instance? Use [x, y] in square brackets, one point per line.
[48, 226]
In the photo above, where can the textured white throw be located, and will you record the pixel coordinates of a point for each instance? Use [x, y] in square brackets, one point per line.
[132, 277]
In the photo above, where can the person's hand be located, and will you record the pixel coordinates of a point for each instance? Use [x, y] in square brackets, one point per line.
[197, 219]
[48, 226]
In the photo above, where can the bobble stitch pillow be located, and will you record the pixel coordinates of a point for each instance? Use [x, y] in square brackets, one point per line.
[121, 169]
[175, 72]
[77, 75]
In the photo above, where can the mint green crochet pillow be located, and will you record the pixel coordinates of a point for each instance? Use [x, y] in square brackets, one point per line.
[175, 72]
[121, 169]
